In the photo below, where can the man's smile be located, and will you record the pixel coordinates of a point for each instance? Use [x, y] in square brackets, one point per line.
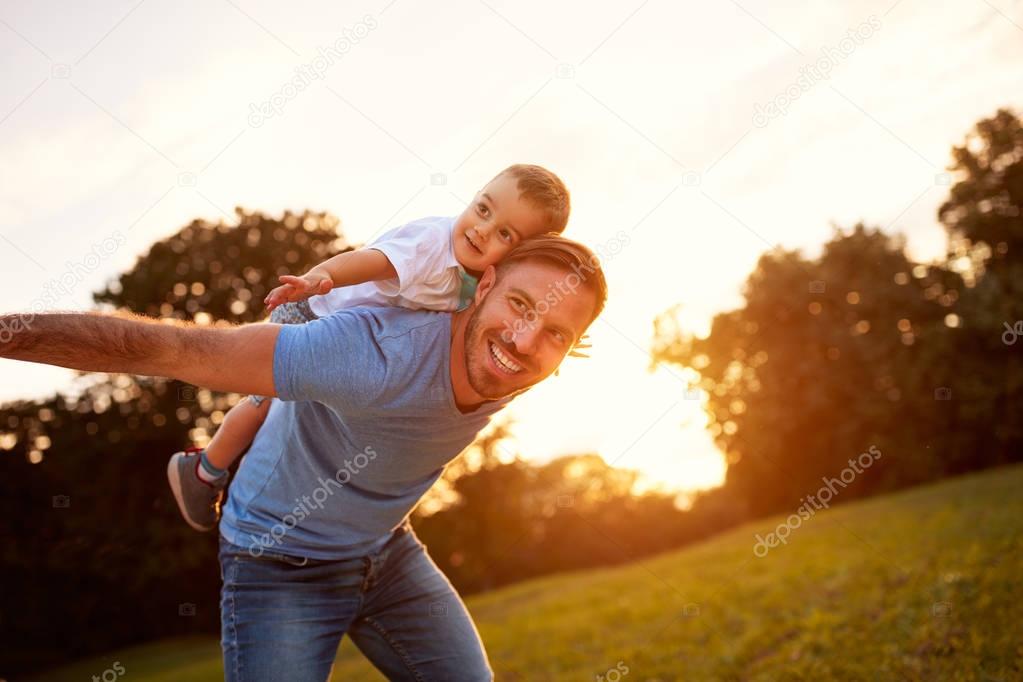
[504, 363]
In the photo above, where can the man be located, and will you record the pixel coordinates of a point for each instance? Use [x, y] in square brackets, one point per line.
[315, 541]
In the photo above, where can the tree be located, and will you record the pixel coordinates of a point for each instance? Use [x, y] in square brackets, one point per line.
[984, 219]
[509, 520]
[91, 532]
[984, 204]
[862, 347]
[827, 358]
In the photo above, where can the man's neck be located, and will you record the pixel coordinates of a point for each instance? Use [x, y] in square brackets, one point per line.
[466, 397]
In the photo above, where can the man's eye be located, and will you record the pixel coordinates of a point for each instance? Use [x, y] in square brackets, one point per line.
[518, 304]
[558, 337]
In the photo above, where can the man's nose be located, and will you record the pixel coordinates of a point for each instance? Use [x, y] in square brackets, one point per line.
[527, 339]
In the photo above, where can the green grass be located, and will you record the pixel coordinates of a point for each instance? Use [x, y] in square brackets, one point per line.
[922, 585]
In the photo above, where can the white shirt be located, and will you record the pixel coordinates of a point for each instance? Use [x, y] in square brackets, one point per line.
[429, 276]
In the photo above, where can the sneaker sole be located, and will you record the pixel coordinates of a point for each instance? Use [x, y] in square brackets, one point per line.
[174, 478]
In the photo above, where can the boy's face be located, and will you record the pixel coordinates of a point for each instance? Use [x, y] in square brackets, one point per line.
[495, 221]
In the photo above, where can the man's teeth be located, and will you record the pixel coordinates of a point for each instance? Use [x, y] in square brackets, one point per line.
[503, 360]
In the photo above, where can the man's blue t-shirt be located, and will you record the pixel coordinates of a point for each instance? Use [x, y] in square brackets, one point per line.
[365, 423]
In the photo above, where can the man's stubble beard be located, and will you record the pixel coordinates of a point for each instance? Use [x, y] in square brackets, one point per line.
[478, 375]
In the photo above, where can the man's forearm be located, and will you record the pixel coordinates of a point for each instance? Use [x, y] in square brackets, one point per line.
[91, 342]
[96, 342]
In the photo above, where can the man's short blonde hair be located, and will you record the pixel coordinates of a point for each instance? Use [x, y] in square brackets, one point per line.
[567, 254]
[543, 190]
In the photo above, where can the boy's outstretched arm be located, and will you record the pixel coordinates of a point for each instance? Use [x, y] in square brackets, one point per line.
[236, 359]
[356, 267]
[345, 269]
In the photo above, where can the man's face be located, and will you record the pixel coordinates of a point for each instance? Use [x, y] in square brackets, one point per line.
[523, 326]
[495, 221]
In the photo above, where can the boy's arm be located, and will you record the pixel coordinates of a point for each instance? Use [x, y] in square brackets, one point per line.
[342, 270]
[236, 359]
[356, 267]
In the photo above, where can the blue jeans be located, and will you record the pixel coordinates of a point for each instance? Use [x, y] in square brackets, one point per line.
[282, 617]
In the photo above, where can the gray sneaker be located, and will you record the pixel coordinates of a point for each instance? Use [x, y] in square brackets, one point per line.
[198, 500]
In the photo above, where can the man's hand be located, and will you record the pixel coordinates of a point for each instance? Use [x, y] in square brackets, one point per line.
[294, 289]
[234, 359]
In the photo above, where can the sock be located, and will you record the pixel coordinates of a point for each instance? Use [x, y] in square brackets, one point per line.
[207, 472]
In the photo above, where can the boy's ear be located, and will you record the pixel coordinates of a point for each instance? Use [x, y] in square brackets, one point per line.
[487, 281]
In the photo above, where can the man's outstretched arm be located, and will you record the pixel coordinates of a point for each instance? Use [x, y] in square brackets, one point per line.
[237, 359]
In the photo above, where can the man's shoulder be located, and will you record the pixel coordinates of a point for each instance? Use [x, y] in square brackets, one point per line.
[390, 322]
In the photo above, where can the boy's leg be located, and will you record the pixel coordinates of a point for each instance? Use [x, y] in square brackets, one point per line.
[242, 422]
[282, 617]
[196, 481]
[237, 431]
[198, 477]
[413, 625]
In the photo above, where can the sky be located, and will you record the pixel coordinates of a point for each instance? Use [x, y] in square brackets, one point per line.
[693, 137]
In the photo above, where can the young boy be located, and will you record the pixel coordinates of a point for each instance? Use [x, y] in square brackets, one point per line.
[430, 263]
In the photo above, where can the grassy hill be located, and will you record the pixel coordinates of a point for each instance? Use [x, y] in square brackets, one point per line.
[922, 585]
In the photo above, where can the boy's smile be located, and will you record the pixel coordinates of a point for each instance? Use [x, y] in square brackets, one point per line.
[495, 221]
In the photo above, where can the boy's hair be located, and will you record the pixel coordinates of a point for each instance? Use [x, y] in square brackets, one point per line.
[543, 190]
[566, 254]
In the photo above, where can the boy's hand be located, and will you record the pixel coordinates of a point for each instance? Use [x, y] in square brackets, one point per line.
[294, 289]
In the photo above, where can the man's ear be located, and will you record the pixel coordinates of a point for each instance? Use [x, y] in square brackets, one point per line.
[487, 281]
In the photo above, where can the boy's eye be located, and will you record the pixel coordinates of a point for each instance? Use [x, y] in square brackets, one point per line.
[482, 210]
[559, 338]
[518, 304]
[505, 235]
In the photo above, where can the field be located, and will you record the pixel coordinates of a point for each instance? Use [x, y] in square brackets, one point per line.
[921, 585]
